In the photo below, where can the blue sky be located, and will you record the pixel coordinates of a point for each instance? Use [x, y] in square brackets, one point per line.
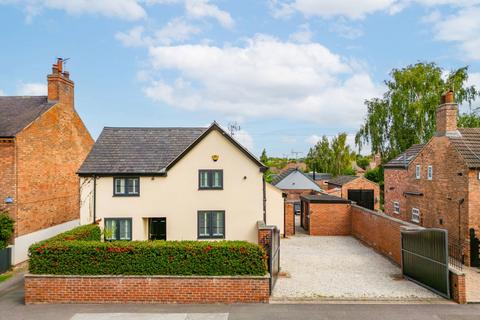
[288, 71]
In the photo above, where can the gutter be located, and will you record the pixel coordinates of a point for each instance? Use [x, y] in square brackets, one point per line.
[94, 199]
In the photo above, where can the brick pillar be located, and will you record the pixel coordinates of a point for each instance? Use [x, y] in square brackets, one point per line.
[457, 287]
[289, 219]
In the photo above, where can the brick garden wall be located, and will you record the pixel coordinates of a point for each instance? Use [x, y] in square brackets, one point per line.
[289, 218]
[330, 219]
[145, 289]
[458, 287]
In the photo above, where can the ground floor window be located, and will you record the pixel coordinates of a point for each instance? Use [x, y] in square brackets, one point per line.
[415, 215]
[211, 224]
[118, 229]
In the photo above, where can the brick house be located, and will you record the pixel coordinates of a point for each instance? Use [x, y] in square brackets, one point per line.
[43, 142]
[364, 192]
[437, 185]
[189, 183]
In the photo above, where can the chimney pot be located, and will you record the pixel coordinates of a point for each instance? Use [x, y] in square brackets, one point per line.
[60, 65]
[449, 97]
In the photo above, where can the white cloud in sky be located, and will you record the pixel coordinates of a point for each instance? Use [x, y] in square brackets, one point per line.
[245, 139]
[122, 9]
[302, 35]
[203, 9]
[32, 89]
[299, 81]
[175, 31]
[2, 93]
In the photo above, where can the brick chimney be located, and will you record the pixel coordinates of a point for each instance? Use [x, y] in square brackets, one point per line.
[60, 87]
[446, 116]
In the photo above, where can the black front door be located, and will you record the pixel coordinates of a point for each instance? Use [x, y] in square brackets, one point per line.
[158, 228]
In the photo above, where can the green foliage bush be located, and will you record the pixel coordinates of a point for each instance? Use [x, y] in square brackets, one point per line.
[6, 229]
[89, 232]
[87, 256]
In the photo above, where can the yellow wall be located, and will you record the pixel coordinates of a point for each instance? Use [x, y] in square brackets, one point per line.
[177, 197]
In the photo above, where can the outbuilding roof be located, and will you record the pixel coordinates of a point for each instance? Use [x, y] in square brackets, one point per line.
[341, 180]
[146, 151]
[17, 112]
[324, 198]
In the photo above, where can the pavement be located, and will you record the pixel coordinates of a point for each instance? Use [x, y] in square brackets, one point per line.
[12, 307]
[341, 267]
[472, 282]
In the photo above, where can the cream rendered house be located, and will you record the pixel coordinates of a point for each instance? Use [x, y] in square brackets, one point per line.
[176, 184]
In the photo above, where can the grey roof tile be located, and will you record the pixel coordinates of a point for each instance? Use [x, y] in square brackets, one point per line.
[17, 112]
[404, 159]
[468, 145]
[341, 180]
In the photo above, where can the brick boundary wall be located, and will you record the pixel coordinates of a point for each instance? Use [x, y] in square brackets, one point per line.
[332, 219]
[289, 218]
[42, 289]
[379, 231]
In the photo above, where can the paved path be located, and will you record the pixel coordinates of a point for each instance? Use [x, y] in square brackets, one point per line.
[12, 308]
[472, 280]
[340, 268]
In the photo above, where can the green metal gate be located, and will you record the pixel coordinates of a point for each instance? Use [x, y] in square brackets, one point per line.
[425, 259]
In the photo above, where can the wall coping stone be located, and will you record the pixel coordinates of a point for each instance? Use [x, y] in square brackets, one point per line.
[405, 224]
[30, 275]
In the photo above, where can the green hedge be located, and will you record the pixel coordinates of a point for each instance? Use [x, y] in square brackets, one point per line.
[79, 252]
[6, 229]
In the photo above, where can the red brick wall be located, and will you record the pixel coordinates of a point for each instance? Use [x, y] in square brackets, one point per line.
[457, 287]
[289, 218]
[294, 194]
[379, 231]
[330, 219]
[7, 174]
[395, 185]
[145, 289]
[49, 152]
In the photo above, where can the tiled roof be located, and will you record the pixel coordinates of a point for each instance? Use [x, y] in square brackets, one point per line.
[468, 145]
[146, 150]
[319, 175]
[279, 177]
[341, 180]
[324, 198]
[16, 113]
[404, 159]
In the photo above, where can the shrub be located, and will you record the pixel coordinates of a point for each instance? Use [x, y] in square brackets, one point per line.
[147, 258]
[89, 232]
[6, 229]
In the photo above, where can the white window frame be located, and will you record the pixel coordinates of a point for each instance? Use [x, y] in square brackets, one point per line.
[430, 172]
[418, 172]
[396, 207]
[415, 215]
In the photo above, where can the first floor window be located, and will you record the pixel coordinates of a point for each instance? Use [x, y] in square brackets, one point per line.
[415, 215]
[126, 186]
[211, 224]
[118, 229]
[396, 207]
[430, 173]
[417, 172]
[210, 179]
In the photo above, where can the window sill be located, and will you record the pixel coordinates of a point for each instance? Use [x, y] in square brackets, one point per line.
[202, 189]
[126, 195]
[210, 237]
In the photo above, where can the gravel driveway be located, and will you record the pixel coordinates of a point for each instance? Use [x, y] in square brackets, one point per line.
[340, 268]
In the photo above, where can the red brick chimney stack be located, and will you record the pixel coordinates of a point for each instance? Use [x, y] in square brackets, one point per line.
[60, 87]
[446, 116]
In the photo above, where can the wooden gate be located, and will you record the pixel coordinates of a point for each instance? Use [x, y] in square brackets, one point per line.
[274, 257]
[425, 259]
[363, 198]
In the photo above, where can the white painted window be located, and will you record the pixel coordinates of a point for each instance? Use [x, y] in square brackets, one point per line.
[415, 215]
[396, 207]
[430, 173]
[417, 171]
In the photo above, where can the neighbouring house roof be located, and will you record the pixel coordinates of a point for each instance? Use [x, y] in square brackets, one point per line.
[17, 112]
[294, 179]
[324, 198]
[404, 159]
[147, 151]
[341, 180]
[319, 175]
[468, 145]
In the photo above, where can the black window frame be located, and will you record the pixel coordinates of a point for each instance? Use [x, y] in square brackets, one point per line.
[209, 179]
[117, 232]
[210, 236]
[125, 194]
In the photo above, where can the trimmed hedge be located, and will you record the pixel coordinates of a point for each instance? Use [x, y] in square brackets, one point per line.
[88, 256]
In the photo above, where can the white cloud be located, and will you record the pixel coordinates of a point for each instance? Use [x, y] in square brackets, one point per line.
[462, 28]
[244, 138]
[346, 29]
[2, 93]
[264, 78]
[202, 9]
[175, 31]
[303, 35]
[32, 89]
[122, 9]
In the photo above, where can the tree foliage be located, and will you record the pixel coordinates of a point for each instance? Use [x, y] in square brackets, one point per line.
[405, 115]
[6, 229]
[334, 157]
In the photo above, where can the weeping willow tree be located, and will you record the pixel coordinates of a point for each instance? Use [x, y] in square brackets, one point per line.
[405, 115]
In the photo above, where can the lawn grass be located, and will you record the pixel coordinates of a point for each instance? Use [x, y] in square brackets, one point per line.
[5, 276]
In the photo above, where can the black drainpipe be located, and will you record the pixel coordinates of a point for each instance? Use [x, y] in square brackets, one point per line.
[94, 199]
[264, 201]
